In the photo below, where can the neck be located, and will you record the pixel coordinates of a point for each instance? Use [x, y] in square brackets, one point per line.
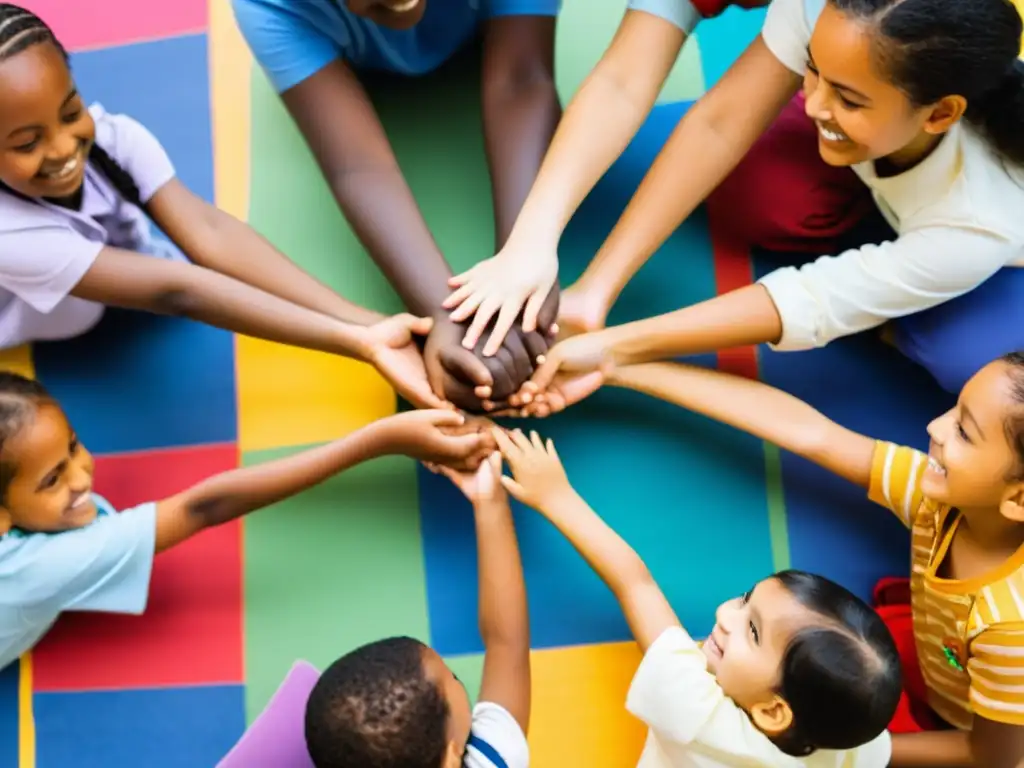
[990, 530]
[904, 159]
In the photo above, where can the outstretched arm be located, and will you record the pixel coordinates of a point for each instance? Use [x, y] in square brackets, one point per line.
[540, 482]
[601, 119]
[504, 618]
[214, 239]
[231, 495]
[759, 409]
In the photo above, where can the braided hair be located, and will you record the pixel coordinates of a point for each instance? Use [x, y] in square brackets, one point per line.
[21, 29]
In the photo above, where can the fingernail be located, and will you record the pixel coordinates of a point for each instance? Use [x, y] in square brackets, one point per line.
[541, 359]
[527, 398]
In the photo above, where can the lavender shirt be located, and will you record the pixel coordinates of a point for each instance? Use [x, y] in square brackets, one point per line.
[45, 249]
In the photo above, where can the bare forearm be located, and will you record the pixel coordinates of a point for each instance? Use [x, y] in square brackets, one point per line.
[382, 210]
[933, 749]
[647, 611]
[599, 122]
[519, 121]
[239, 251]
[738, 318]
[504, 618]
[231, 495]
[751, 406]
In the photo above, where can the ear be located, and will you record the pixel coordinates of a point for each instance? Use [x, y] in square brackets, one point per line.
[453, 755]
[6, 523]
[1012, 505]
[946, 112]
[772, 717]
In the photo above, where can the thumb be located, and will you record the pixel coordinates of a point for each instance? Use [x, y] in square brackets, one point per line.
[515, 489]
[582, 386]
[461, 446]
[546, 371]
[420, 326]
[465, 366]
[441, 417]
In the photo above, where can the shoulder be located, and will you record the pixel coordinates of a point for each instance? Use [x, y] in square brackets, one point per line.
[123, 137]
[787, 30]
[989, 192]
[496, 740]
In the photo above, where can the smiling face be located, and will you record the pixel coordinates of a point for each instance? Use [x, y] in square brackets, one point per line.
[745, 650]
[52, 483]
[45, 129]
[860, 114]
[971, 462]
[394, 14]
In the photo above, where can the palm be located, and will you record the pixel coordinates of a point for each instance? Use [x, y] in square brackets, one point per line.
[400, 362]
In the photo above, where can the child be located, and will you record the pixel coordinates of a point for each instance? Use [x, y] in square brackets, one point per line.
[924, 100]
[964, 505]
[63, 548]
[316, 54]
[76, 186]
[797, 671]
[395, 704]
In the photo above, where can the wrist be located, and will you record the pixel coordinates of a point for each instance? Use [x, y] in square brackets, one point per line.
[558, 500]
[357, 342]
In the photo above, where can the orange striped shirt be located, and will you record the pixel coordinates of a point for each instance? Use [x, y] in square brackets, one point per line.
[970, 632]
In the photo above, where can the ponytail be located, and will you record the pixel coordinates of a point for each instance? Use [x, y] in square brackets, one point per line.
[118, 177]
[1000, 114]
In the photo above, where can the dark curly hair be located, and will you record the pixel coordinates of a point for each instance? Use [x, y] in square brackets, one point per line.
[21, 29]
[1015, 421]
[375, 708]
[19, 398]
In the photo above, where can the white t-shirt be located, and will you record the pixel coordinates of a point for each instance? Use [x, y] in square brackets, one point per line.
[46, 249]
[495, 740]
[694, 725]
[959, 214]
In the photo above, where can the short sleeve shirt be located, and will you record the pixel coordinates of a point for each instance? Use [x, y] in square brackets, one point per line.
[294, 39]
[104, 566]
[46, 249]
[496, 740]
[693, 724]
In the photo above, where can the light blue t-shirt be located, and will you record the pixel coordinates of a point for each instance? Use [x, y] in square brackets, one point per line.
[294, 39]
[104, 566]
[681, 13]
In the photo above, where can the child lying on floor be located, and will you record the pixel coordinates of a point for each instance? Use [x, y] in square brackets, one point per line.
[964, 505]
[395, 704]
[63, 548]
[796, 672]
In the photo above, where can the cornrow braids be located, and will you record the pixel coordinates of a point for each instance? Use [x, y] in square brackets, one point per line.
[19, 398]
[21, 29]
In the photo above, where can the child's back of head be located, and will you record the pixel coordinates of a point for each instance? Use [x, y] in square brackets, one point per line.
[839, 673]
[379, 707]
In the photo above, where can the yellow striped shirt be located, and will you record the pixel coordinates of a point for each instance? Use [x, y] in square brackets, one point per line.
[976, 624]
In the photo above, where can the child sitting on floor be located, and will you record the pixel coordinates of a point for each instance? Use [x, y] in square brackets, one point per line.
[78, 189]
[963, 502]
[63, 548]
[395, 703]
[796, 672]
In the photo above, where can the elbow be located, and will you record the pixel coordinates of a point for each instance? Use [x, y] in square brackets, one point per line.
[174, 302]
[522, 82]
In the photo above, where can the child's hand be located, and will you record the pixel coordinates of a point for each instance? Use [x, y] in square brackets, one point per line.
[484, 485]
[434, 436]
[540, 479]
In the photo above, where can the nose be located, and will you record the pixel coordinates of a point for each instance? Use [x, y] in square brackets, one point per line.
[79, 479]
[726, 615]
[64, 145]
[815, 100]
[938, 428]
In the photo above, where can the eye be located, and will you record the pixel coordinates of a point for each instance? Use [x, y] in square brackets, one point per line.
[746, 596]
[847, 103]
[26, 148]
[754, 634]
[962, 432]
[49, 482]
[72, 117]
[73, 446]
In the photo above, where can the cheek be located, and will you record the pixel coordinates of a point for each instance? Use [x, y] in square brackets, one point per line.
[17, 167]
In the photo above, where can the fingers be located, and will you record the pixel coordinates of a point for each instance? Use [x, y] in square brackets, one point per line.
[420, 326]
[536, 441]
[548, 310]
[508, 449]
[503, 384]
[506, 317]
[444, 418]
[521, 440]
[576, 389]
[544, 374]
[537, 346]
[515, 490]
[468, 305]
[466, 366]
[532, 310]
[463, 277]
[461, 395]
[522, 364]
[485, 310]
[460, 447]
